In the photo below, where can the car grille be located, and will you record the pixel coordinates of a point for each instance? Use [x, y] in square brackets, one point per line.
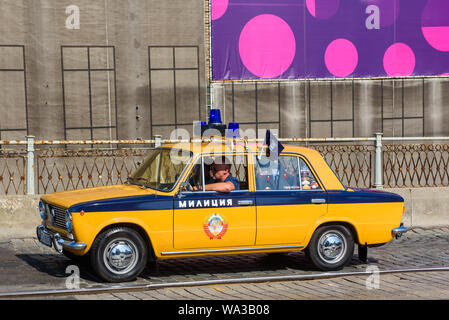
[58, 218]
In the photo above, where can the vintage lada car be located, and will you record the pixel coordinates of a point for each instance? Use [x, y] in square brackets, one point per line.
[219, 198]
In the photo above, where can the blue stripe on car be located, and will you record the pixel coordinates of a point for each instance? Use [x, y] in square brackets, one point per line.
[133, 203]
[193, 200]
[362, 196]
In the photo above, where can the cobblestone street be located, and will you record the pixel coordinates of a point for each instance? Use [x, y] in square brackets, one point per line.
[26, 265]
[431, 285]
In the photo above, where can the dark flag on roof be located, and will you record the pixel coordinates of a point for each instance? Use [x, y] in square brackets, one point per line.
[274, 147]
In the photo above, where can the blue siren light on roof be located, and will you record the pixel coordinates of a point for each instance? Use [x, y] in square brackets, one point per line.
[233, 130]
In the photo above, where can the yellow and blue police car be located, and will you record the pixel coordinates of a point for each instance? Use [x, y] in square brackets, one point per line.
[219, 198]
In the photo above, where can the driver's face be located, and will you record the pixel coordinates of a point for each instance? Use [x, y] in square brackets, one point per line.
[219, 172]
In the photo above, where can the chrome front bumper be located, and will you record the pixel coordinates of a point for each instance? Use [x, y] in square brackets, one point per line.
[398, 232]
[56, 240]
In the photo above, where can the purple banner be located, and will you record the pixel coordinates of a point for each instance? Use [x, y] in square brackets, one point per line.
[297, 39]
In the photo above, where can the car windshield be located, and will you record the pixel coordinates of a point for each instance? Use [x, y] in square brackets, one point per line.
[162, 169]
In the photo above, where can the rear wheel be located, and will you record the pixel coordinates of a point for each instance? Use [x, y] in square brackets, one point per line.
[119, 254]
[331, 247]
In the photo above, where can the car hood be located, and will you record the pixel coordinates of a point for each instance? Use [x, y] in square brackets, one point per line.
[67, 199]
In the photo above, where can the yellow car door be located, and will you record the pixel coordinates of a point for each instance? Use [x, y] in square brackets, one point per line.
[214, 220]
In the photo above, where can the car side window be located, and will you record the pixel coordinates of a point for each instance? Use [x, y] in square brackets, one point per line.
[308, 179]
[239, 170]
[195, 178]
[284, 173]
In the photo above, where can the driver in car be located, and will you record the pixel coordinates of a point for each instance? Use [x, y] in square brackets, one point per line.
[223, 179]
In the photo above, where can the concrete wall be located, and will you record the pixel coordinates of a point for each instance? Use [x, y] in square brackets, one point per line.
[340, 108]
[425, 207]
[129, 28]
[19, 216]
[133, 91]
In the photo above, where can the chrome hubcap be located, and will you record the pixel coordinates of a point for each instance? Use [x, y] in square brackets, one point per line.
[332, 246]
[120, 256]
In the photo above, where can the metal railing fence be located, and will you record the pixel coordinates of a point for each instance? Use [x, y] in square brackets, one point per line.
[43, 166]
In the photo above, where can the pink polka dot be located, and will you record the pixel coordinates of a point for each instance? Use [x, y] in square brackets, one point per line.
[399, 60]
[311, 7]
[322, 9]
[437, 37]
[435, 24]
[341, 57]
[267, 46]
[218, 8]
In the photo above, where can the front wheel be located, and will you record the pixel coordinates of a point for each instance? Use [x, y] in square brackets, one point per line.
[331, 247]
[119, 254]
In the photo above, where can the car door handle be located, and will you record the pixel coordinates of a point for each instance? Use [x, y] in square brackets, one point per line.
[245, 202]
[318, 200]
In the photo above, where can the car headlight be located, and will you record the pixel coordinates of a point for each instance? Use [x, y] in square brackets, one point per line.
[68, 221]
[42, 210]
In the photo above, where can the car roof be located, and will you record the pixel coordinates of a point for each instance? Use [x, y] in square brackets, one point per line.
[226, 145]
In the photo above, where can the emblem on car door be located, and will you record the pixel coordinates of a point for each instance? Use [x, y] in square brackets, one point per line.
[215, 226]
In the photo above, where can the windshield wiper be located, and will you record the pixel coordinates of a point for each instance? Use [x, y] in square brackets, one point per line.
[131, 181]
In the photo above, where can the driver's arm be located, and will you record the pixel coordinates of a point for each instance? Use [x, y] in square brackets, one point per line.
[220, 186]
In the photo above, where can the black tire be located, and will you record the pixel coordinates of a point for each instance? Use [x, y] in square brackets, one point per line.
[331, 247]
[119, 254]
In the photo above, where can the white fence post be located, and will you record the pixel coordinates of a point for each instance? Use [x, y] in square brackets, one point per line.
[378, 171]
[158, 141]
[29, 178]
